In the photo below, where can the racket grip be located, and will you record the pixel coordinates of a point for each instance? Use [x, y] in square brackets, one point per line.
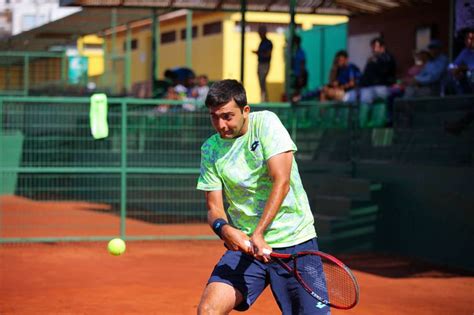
[265, 250]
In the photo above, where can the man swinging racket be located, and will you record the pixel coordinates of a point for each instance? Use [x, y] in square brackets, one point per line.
[251, 160]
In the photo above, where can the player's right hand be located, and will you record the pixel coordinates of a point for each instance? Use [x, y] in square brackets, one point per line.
[235, 239]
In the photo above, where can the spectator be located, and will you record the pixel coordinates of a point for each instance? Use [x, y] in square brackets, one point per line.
[378, 75]
[343, 77]
[461, 74]
[298, 67]
[420, 58]
[264, 54]
[428, 81]
[179, 75]
[200, 90]
[380, 67]
[182, 82]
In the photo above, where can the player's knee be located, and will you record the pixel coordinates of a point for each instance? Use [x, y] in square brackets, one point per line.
[208, 308]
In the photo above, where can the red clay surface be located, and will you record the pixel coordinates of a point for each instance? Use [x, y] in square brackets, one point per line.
[22, 217]
[167, 277]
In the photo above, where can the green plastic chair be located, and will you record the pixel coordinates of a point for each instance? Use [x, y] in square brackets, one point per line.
[364, 111]
[378, 117]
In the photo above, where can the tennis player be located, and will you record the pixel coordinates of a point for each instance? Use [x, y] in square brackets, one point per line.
[251, 160]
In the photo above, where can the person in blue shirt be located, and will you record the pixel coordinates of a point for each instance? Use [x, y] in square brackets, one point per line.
[461, 71]
[343, 77]
[466, 56]
[264, 54]
[298, 67]
[428, 81]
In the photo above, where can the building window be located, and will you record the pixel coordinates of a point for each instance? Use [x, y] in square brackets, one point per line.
[194, 33]
[212, 28]
[279, 28]
[134, 44]
[95, 47]
[168, 37]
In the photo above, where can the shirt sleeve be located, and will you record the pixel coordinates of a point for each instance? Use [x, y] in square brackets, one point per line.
[431, 72]
[208, 179]
[274, 136]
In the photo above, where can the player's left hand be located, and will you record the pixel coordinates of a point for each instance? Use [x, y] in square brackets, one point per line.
[258, 244]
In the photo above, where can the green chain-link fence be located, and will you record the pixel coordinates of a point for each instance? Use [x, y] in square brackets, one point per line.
[33, 73]
[58, 183]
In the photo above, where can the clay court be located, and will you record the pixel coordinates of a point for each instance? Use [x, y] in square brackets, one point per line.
[167, 277]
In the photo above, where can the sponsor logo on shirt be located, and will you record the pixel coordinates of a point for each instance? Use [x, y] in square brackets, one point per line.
[254, 145]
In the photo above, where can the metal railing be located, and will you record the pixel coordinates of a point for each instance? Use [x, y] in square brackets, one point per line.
[29, 73]
[60, 184]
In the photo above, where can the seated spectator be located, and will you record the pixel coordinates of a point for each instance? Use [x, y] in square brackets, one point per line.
[428, 81]
[179, 75]
[378, 75]
[171, 94]
[199, 92]
[343, 77]
[420, 58]
[181, 84]
[461, 71]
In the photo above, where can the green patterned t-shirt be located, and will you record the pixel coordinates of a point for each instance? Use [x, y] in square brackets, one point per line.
[239, 167]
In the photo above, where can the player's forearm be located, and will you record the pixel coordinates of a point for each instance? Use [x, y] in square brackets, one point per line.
[279, 191]
[215, 213]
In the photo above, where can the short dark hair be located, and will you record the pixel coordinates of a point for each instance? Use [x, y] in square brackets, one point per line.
[222, 92]
[379, 40]
[468, 31]
[341, 53]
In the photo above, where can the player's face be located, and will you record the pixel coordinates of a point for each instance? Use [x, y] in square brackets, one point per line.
[229, 120]
[377, 48]
[470, 40]
[341, 61]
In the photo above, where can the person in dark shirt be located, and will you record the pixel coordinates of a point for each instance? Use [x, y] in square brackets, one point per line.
[264, 54]
[380, 67]
[379, 74]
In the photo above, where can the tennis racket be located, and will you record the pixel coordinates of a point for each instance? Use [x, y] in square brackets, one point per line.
[323, 276]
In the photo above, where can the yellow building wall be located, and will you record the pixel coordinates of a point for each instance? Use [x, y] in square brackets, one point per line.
[276, 76]
[217, 55]
[95, 56]
[207, 51]
[45, 70]
[41, 71]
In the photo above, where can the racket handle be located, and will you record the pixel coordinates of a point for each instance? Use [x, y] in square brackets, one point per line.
[266, 251]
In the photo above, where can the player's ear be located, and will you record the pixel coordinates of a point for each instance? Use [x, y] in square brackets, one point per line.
[246, 110]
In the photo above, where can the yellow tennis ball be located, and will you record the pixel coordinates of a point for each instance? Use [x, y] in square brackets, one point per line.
[116, 247]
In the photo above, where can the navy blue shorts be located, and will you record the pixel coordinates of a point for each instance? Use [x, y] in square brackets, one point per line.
[250, 277]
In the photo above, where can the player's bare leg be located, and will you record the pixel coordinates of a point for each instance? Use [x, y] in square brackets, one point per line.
[219, 299]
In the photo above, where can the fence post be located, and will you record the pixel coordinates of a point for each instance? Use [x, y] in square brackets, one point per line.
[26, 75]
[353, 125]
[64, 70]
[123, 170]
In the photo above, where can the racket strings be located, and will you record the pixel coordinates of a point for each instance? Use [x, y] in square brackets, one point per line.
[328, 280]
